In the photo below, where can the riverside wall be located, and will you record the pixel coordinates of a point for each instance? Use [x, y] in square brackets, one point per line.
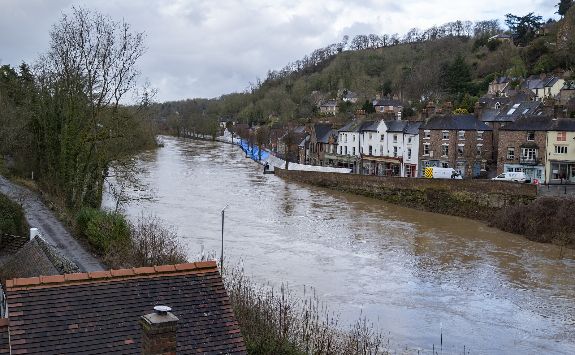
[476, 199]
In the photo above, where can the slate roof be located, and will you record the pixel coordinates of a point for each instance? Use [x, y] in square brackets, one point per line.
[36, 258]
[413, 127]
[456, 122]
[9, 244]
[530, 123]
[329, 103]
[322, 132]
[369, 126]
[99, 312]
[357, 126]
[395, 126]
[563, 125]
[514, 110]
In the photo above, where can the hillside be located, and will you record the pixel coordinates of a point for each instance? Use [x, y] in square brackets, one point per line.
[431, 65]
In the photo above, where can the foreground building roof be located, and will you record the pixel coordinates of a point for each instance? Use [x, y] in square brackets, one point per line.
[35, 258]
[99, 312]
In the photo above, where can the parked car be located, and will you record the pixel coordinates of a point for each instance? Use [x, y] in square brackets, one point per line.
[441, 173]
[513, 176]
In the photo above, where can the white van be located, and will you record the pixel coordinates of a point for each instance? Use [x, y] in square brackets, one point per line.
[513, 176]
[441, 173]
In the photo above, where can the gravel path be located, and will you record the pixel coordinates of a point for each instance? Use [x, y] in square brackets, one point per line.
[52, 230]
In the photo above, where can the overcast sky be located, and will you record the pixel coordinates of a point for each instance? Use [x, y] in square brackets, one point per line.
[206, 48]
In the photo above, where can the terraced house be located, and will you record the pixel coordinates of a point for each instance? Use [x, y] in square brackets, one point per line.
[523, 146]
[560, 162]
[461, 142]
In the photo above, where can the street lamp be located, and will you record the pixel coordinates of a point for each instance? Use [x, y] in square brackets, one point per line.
[222, 251]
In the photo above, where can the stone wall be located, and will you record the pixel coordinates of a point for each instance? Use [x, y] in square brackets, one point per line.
[477, 199]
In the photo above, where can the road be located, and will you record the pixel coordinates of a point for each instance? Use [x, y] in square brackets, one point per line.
[52, 230]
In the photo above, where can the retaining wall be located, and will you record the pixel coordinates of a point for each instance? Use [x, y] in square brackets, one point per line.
[477, 199]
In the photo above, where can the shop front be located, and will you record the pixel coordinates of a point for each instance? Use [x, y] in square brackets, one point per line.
[562, 171]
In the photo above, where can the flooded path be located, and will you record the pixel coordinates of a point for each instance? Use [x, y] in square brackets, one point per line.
[416, 274]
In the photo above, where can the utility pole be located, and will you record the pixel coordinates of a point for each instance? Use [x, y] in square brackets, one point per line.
[222, 251]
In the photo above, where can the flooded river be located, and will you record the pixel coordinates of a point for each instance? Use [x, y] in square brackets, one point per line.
[417, 275]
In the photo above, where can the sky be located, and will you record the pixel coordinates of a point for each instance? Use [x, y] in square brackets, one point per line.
[207, 48]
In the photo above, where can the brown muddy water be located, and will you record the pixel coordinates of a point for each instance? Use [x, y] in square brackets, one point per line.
[416, 275]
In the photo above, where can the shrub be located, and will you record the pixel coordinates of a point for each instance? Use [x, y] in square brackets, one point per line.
[547, 219]
[103, 230]
[275, 322]
[12, 218]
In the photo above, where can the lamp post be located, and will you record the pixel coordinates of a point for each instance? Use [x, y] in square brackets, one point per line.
[222, 251]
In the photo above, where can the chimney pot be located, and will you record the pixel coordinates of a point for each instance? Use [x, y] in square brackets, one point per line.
[159, 332]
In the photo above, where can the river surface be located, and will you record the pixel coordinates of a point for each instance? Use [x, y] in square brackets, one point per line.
[416, 275]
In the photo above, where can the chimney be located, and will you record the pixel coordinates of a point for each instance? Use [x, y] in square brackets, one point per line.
[159, 332]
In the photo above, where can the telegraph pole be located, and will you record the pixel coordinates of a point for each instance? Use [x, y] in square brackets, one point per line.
[222, 251]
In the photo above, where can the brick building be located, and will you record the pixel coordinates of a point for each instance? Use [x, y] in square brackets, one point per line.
[461, 142]
[523, 146]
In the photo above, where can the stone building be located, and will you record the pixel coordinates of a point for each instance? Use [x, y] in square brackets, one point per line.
[461, 142]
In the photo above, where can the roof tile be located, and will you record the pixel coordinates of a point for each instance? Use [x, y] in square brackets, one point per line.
[122, 272]
[51, 279]
[165, 268]
[76, 277]
[27, 282]
[99, 274]
[144, 270]
[206, 264]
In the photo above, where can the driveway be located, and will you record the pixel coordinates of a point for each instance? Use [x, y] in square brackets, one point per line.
[52, 230]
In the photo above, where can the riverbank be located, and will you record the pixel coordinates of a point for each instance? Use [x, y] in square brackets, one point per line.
[500, 204]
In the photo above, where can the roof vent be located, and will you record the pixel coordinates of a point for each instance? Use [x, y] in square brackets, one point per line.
[162, 310]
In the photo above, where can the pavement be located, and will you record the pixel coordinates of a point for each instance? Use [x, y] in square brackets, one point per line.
[558, 190]
[52, 230]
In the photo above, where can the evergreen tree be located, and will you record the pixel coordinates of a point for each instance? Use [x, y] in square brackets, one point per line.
[563, 6]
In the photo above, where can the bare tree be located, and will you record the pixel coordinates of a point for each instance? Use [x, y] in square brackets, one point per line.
[90, 67]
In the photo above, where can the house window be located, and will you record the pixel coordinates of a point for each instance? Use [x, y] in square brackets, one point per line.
[353, 151]
[445, 135]
[381, 150]
[339, 150]
[408, 139]
[354, 137]
[345, 138]
[370, 136]
[445, 150]
[382, 137]
[560, 149]
[395, 151]
[426, 149]
[561, 136]
[479, 135]
[370, 150]
[460, 150]
[461, 135]
[426, 134]
[529, 153]
[395, 138]
[511, 153]
[478, 150]
[345, 150]
[531, 136]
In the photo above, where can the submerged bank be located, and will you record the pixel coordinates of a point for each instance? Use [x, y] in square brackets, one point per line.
[510, 207]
